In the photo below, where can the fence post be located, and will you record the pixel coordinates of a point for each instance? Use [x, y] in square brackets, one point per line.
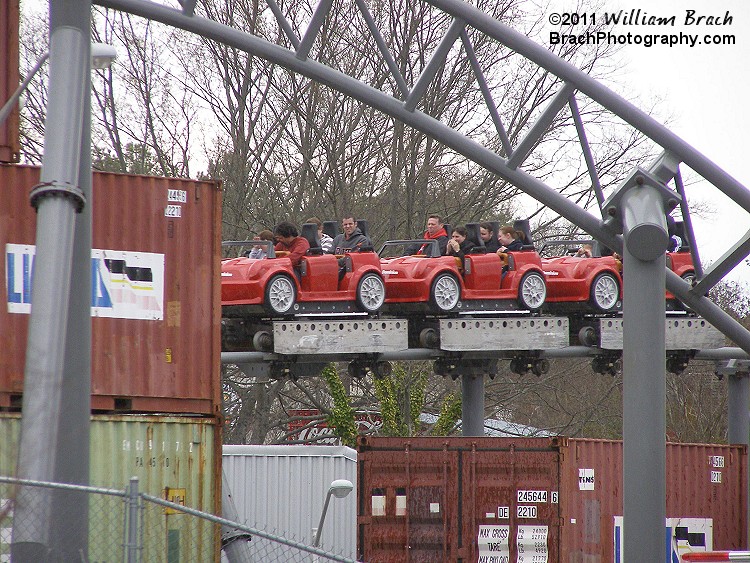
[132, 546]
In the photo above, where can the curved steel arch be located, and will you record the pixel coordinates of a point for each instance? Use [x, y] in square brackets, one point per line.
[404, 110]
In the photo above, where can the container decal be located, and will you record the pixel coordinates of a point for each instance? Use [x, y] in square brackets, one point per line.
[493, 544]
[378, 502]
[533, 496]
[503, 512]
[585, 479]
[526, 511]
[124, 284]
[531, 544]
[683, 535]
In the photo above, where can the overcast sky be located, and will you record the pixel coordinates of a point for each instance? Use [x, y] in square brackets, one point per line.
[706, 90]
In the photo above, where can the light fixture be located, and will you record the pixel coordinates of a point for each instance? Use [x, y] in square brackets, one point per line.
[102, 55]
[339, 488]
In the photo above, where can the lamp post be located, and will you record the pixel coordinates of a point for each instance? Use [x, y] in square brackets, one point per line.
[339, 488]
[102, 56]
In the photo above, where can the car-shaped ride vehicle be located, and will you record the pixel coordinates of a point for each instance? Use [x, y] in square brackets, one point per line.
[323, 283]
[428, 282]
[594, 285]
[582, 285]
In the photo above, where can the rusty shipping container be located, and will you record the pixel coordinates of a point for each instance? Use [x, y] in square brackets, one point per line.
[177, 458]
[497, 500]
[9, 77]
[155, 291]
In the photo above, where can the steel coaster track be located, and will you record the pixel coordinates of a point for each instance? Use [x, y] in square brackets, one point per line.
[403, 107]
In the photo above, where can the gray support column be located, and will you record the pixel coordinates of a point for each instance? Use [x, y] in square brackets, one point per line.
[70, 509]
[738, 417]
[57, 199]
[472, 405]
[644, 372]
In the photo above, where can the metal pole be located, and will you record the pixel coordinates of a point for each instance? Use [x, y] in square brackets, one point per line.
[235, 543]
[132, 547]
[13, 100]
[738, 417]
[56, 199]
[644, 374]
[472, 405]
[319, 531]
[70, 514]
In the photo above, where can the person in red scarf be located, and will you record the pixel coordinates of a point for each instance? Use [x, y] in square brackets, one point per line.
[435, 231]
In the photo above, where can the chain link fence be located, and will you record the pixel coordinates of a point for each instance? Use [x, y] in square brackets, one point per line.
[45, 521]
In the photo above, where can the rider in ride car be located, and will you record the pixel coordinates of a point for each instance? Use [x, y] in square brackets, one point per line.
[459, 244]
[261, 250]
[509, 239]
[585, 251]
[325, 241]
[487, 234]
[435, 231]
[351, 239]
[288, 239]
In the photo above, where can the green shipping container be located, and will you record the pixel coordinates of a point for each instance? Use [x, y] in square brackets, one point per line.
[174, 458]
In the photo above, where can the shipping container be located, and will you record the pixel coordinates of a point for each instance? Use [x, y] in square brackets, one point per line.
[174, 458]
[155, 291]
[9, 78]
[559, 500]
[282, 489]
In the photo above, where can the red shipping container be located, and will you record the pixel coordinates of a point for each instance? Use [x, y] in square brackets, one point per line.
[496, 500]
[155, 291]
[9, 77]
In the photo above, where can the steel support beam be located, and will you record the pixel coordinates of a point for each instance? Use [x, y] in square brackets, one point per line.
[639, 207]
[70, 510]
[472, 405]
[57, 199]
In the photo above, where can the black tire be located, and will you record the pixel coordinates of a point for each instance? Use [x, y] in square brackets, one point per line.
[605, 293]
[532, 291]
[280, 295]
[445, 293]
[370, 293]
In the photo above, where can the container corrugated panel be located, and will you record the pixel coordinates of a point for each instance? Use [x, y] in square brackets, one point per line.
[282, 489]
[548, 499]
[176, 458]
[432, 499]
[704, 481]
[155, 291]
[9, 77]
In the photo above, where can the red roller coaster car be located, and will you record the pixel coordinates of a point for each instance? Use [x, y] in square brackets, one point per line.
[584, 284]
[273, 287]
[429, 282]
[594, 285]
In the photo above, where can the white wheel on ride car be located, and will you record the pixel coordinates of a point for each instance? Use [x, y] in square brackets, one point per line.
[689, 277]
[370, 293]
[532, 291]
[445, 292]
[605, 292]
[280, 295]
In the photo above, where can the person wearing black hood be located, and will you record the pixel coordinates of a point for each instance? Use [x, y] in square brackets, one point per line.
[351, 240]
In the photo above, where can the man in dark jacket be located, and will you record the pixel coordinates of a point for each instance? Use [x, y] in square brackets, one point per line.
[351, 240]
